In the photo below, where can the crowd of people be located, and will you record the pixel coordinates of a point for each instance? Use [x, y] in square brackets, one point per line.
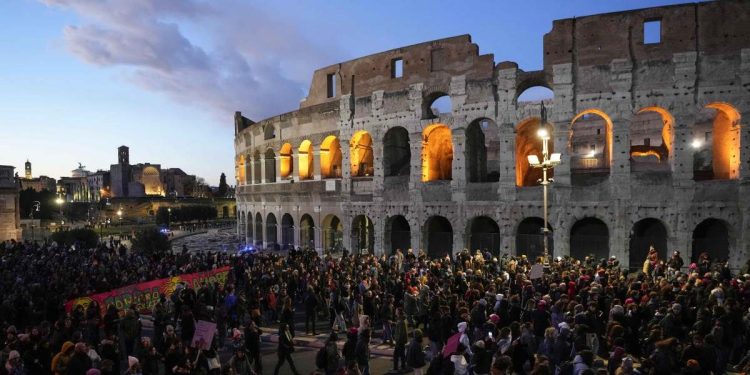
[473, 313]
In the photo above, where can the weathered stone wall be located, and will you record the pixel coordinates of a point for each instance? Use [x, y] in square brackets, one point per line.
[597, 65]
[10, 219]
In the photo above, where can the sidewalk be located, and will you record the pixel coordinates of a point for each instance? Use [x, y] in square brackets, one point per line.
[318, 341]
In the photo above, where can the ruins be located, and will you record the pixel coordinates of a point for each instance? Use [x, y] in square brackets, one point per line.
[426, 146]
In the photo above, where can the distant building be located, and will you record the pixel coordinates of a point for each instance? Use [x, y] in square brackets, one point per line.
[99, 185]
[37, 184]
[10, 216]
[146, 179]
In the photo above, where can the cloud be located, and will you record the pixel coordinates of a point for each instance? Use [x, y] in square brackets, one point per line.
[220, 57]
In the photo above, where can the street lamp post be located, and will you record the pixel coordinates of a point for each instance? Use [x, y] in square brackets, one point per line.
[60, 202]
[548, 163]
[34, 208]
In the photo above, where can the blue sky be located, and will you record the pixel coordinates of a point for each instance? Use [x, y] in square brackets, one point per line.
[78, 78]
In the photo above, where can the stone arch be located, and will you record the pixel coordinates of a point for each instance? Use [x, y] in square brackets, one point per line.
[483, 233]
[307, 232]
[272, 241]
[711, 236]
[330, 157]
[438, 237]
[270, 161]
[396, 152]
[590, 146]
[333, 230]
[269, 132]
[717, 143]
[437, 153]
[398, 233]
[363, 234]
[258, 229]
[151, 181]
[589, 236]
[528, 143]
[644, 234]
[256, 167]
[305, 157]
[360, 154]
[482, 152]
[248, 169]
[436, 104]
[287, 231]
[534, 90]
[286, 164]
[530, 238]
[240, 170]
[651, 139]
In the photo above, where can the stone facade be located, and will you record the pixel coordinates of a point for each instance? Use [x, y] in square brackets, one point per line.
[10, 212]
[670, 163]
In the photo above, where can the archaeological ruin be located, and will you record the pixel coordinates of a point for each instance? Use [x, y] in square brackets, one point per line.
[426, 146]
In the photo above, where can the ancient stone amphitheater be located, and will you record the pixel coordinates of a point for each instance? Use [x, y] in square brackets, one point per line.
[426, 146]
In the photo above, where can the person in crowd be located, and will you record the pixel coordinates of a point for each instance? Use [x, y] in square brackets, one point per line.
[285, 349]
[362, 351]
[415, 356]
[400, 336]
[332, 355]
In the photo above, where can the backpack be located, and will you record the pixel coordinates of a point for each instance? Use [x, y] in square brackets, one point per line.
[321, 358]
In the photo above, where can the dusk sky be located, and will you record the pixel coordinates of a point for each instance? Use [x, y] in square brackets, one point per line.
[78, 78]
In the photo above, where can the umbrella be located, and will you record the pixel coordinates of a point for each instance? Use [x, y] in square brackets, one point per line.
[451, 346]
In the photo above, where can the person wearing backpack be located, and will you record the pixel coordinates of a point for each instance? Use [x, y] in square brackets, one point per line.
[350, 346]
[415, 357]
[328, 356]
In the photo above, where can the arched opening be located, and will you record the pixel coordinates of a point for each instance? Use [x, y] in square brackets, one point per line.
[333, 234]
[716, 141]
[305, 160]
[240, 170]
[591, 147]
[651, 137]
[528, 143]
[360, 153]
[307, 231]
[271, 232]
[437, 153]
[248, 169]
[530, 238]
[484, 235]
[398, 234]
[287, 231]
[270, 161]
[151, 181]
[224, 212]
[258, 230]
[330, 158]
[437, 104]
[711, 236]
[535, 94]
[256, 167]
[269, 132]
[286, 166]
[439, 237]
[363, 235]
[646, 233]
[482, 152]
[250, 228]
[396, 152]
[589, 237]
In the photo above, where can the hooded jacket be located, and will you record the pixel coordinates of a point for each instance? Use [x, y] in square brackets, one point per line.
[464, 338]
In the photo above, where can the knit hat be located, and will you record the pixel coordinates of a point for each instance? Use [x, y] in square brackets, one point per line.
[494, 318]
[132, 361]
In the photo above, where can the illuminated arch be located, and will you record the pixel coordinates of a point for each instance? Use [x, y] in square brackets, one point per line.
[330, 157]
[239, 170]
[286, 166]
[584, 159]
[248, 169]
[528, 143]
[360, 154]
[643, 129]
[305, 160]
[151, 181]
[437, 153]
[724, 145]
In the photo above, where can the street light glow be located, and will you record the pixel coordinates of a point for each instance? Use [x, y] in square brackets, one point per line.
[533, 160]
[542, 133]
[696, 144]
[59, 200]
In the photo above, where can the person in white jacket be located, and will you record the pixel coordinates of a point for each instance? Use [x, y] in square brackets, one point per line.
[464, 338]
[460, 364]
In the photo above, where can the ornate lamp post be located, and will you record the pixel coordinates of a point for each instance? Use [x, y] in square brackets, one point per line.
[548, 163]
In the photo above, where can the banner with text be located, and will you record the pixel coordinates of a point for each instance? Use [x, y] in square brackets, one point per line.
[145, 295]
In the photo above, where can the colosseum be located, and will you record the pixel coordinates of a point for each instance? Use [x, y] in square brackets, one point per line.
[427, 146]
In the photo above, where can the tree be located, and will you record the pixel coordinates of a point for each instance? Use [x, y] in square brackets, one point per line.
[150, 240]
[46, 199]
[223, 187]
[86, 238]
